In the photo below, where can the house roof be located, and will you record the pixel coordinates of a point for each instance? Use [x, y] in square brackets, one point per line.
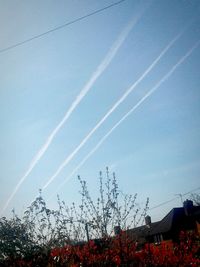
[139, 233]
[174, 221]
[174, 217]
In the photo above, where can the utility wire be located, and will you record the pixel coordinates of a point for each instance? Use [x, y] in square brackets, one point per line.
[61, 26]
[168, 201]
[163, 203]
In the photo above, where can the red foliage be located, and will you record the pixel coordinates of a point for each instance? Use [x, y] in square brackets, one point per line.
[118, 250]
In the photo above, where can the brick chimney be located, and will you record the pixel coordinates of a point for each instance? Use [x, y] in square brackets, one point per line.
[188, 207]
[117, 230]
[148, 221]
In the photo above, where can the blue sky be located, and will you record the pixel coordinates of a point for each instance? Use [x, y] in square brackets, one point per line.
[154, 151]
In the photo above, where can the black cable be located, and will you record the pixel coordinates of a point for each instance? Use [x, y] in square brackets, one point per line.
[174, 199]
[60, 27]
[163, 203]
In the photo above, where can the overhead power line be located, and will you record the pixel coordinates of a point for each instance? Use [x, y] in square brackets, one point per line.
[86, 88]
[166, 202]
[61, 26]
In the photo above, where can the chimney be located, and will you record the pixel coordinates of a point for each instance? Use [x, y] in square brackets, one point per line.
[117, 230]
[188, 206]
[148, 221]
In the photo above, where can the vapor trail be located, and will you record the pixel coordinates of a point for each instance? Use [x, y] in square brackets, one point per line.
[158, 84]
[124, 96]
[100, 69]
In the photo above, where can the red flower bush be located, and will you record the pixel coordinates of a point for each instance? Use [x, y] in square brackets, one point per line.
[121, 250]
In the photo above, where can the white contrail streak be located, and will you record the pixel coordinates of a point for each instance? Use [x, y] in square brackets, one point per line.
[124, 96]
[100, 69]
[158, 84]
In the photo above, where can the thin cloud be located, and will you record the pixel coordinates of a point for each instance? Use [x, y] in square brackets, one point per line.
[158, 84]
[98, 72]
[124, 96]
